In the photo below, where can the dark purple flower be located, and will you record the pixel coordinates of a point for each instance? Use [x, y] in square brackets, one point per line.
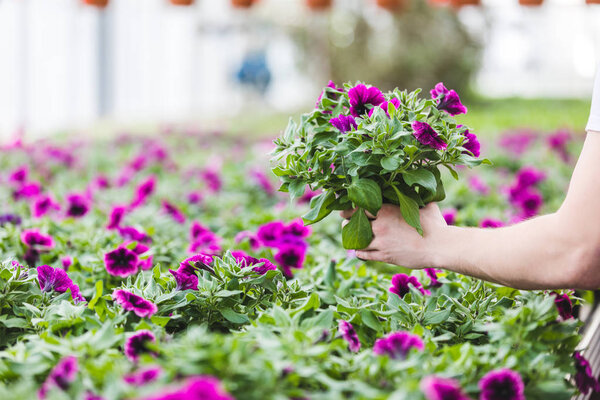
[349, 334]
[449, 215]
[132, 302]
[43, 205]
[196, 388]
[143, 191]
[558, 142]
[502, 384]
[297, 229]
[270, 233]
[77, 205]
[131, 233]
[61, 376]
[427, 136]
[137, 344]
[397, 345]
[432, 274]
[56, 279]
[121, 262]
[529, 176]
[362, 96]
[33, 238]
[385, 106]
[10, 219]
[116, 217]
[31, 256]
[400, 284]
[185, 280]
[471, 143]
[530, 201]
[584, 378]
[66, 262]
[491, 223]
[19, 175]
[447, 100]
[194, 197]
[563, 305]
[437, 388]
[290, 255]
[143, 376]
[344, 123]
[478, 185]
[27, 190]
[173, 211]
[197, 262]
[266, 266]
[212, 179]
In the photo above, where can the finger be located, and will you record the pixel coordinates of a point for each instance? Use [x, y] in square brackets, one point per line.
[347, 214]
[370, 216]
[368, 255]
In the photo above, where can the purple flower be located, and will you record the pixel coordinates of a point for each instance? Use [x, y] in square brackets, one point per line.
[173, 211]
[66, 262]
[491, 223]
[77, 205]
[349, 334]
[56, 279]
[344, 123]
[397, 345]
[212, 179]
[185, 280]
[471, 143]
[400, 284]
[437, 388]
[385, 106]
[362, 96]
[43, 205]
[197, 262]
[116, 217]
[130, 233]
[529, 176]
[61, 376]
[266, 266]
[297, 229]
[290, 255]
[449, 215]
[517, 143]
[132, 302]
[252, 239]
[196, 230]
[478, 185]
[308, 195]
[502, 384]
[19, 175]
[143, 191]
[558, 142]
[137, 344]
[530, 201]
[427, 136]
[243, 259]
[121, 262]
[584, 378]
[196, 388]
[27, 190]
[432, 274]
[270, 233]
[563, 305]
[143, 376]
[207, 242]
[194, 197]
[33, 238]
[447, 100]
[10, 219]
[330, 85]
[263, 181]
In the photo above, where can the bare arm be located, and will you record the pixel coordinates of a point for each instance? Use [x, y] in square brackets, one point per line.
[559, 250]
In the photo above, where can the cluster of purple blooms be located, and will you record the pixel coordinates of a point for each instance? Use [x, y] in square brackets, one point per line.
[196, 388]
[56, 279]
[523, 193]
[123, 262]
[61, 377]
[518, 142]
[36, 243]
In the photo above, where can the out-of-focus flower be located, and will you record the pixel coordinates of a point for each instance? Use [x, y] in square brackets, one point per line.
[143, 376]
[502, 384]
[398, 344]
[437, 388]
[290, 255]
[116, 217]
[10, 219]
[563, 305]
[432, 274]
[558, 143]
[56, 279]
[584, 378]
[400, 284]
[143, 191]
[77, 205]
[137, 344]
[43, 205]
[449, 215]
[173, 211]
[33, 238]
[349, 335]
[62, 376]
[132, 302]
[491, 223]
[196, 388]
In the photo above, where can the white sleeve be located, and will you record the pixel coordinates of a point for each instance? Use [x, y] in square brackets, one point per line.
[594, 121]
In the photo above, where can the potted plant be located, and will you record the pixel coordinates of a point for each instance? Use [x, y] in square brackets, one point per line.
[531, 2]
[182, 2]
[96, 3]
[391, 5]
[319, 5]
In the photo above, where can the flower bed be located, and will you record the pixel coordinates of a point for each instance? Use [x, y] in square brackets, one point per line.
[168, 267]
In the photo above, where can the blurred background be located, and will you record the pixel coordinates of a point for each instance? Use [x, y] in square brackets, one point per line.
[243, 66]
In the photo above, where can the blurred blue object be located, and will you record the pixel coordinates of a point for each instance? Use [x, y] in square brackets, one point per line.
[254, 71]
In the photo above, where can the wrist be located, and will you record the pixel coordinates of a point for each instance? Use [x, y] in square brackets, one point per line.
[437, 245]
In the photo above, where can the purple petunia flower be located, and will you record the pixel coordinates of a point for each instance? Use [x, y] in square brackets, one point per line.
[19, 175]
[173, 211]
[196, 388]
[194, 197]
[397, 345]
[132, 302]
[478, 185]
[121, 262]
[243, 259]
[266, 266]
[56, 279]
[530, 201]
[61, 376]
[43, 205]
[472, 143]
[290, 255]
[502, 384]
[143, 191]
[131, 233]
[27, 190]
[66, 262]
[10, 219]
[361, 96]
[308, 195]
[252, 239]
[207, 242]
[185, 280]
[137, 344]
[491, 223]
[143, 376]
[349, 334]
[330, 85]
[77, 205]
[33, 238]
[432, 274]
[437, 388]
[270, 233]
[263, 181]
[584, 378]
[558, 142]
[116, 217]
[427, 136]
[400, 284]
[449, 215]
[385, 106]
[297, 229]
[344, 123]
[447, 100]
[529, 176]
[518, 142]
[563, 305]
[212, 179]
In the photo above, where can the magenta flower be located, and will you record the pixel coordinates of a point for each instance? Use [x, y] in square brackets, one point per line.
[66, 262]
[362, 96]
[137, 344]
[296, 229]
[131, 233]
[491, 223]
[56, 279]
[502, 384]
[344, 123]
[62, 376]
[385, 105]
[517, 143]
[397, 345]
[449, 215]
[10, 219]
[19, 175]
[563, 305]
[263, 181]
[308, 195]
[116, 217]
[530, 201]
[266, 266]
[427, 136]
[252, 239]
[121, 262]
[471, 143]
[432, 274]
[33, 238]
[77, 205]
[478, 185]
[143, 191]
[197, 229]
[207, 242]
[132, 302]
[243, 259]
[196, 262]
[558, 142]
[43, 205]
[184, 280]
[143, 376]
[330, 85]
[584, 378]
[529, 176]
[400, 284]
[349, 335]
[27, 190]
[437, 388]
[196, 388]
[194, 197]
[173, 211]
[290, 255]
[212, 179]
[447, 100]
[270, 233]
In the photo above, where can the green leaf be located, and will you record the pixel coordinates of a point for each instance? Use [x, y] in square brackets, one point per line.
[421, 177]
[357, 234]
[234, 317]
[319, 208]
[94, 300]
[410, 210]
[390, 163]
[436, 317]
[160, 321]
[370, 320]
[366, 193]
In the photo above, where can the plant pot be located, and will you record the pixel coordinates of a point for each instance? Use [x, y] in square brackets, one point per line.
[96, 3]
[391, 5]
[318, 5]
[182, 2]
[531, 2]
[460, 3]
[242, 3]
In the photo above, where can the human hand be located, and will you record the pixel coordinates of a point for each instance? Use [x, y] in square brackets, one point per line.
[396, 242]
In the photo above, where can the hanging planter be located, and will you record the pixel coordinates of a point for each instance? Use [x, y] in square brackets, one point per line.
[531, 2]
[391, 5]
[242, 3]
[460, 3]
[319, 5]
[96, 3]
[182, 2]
